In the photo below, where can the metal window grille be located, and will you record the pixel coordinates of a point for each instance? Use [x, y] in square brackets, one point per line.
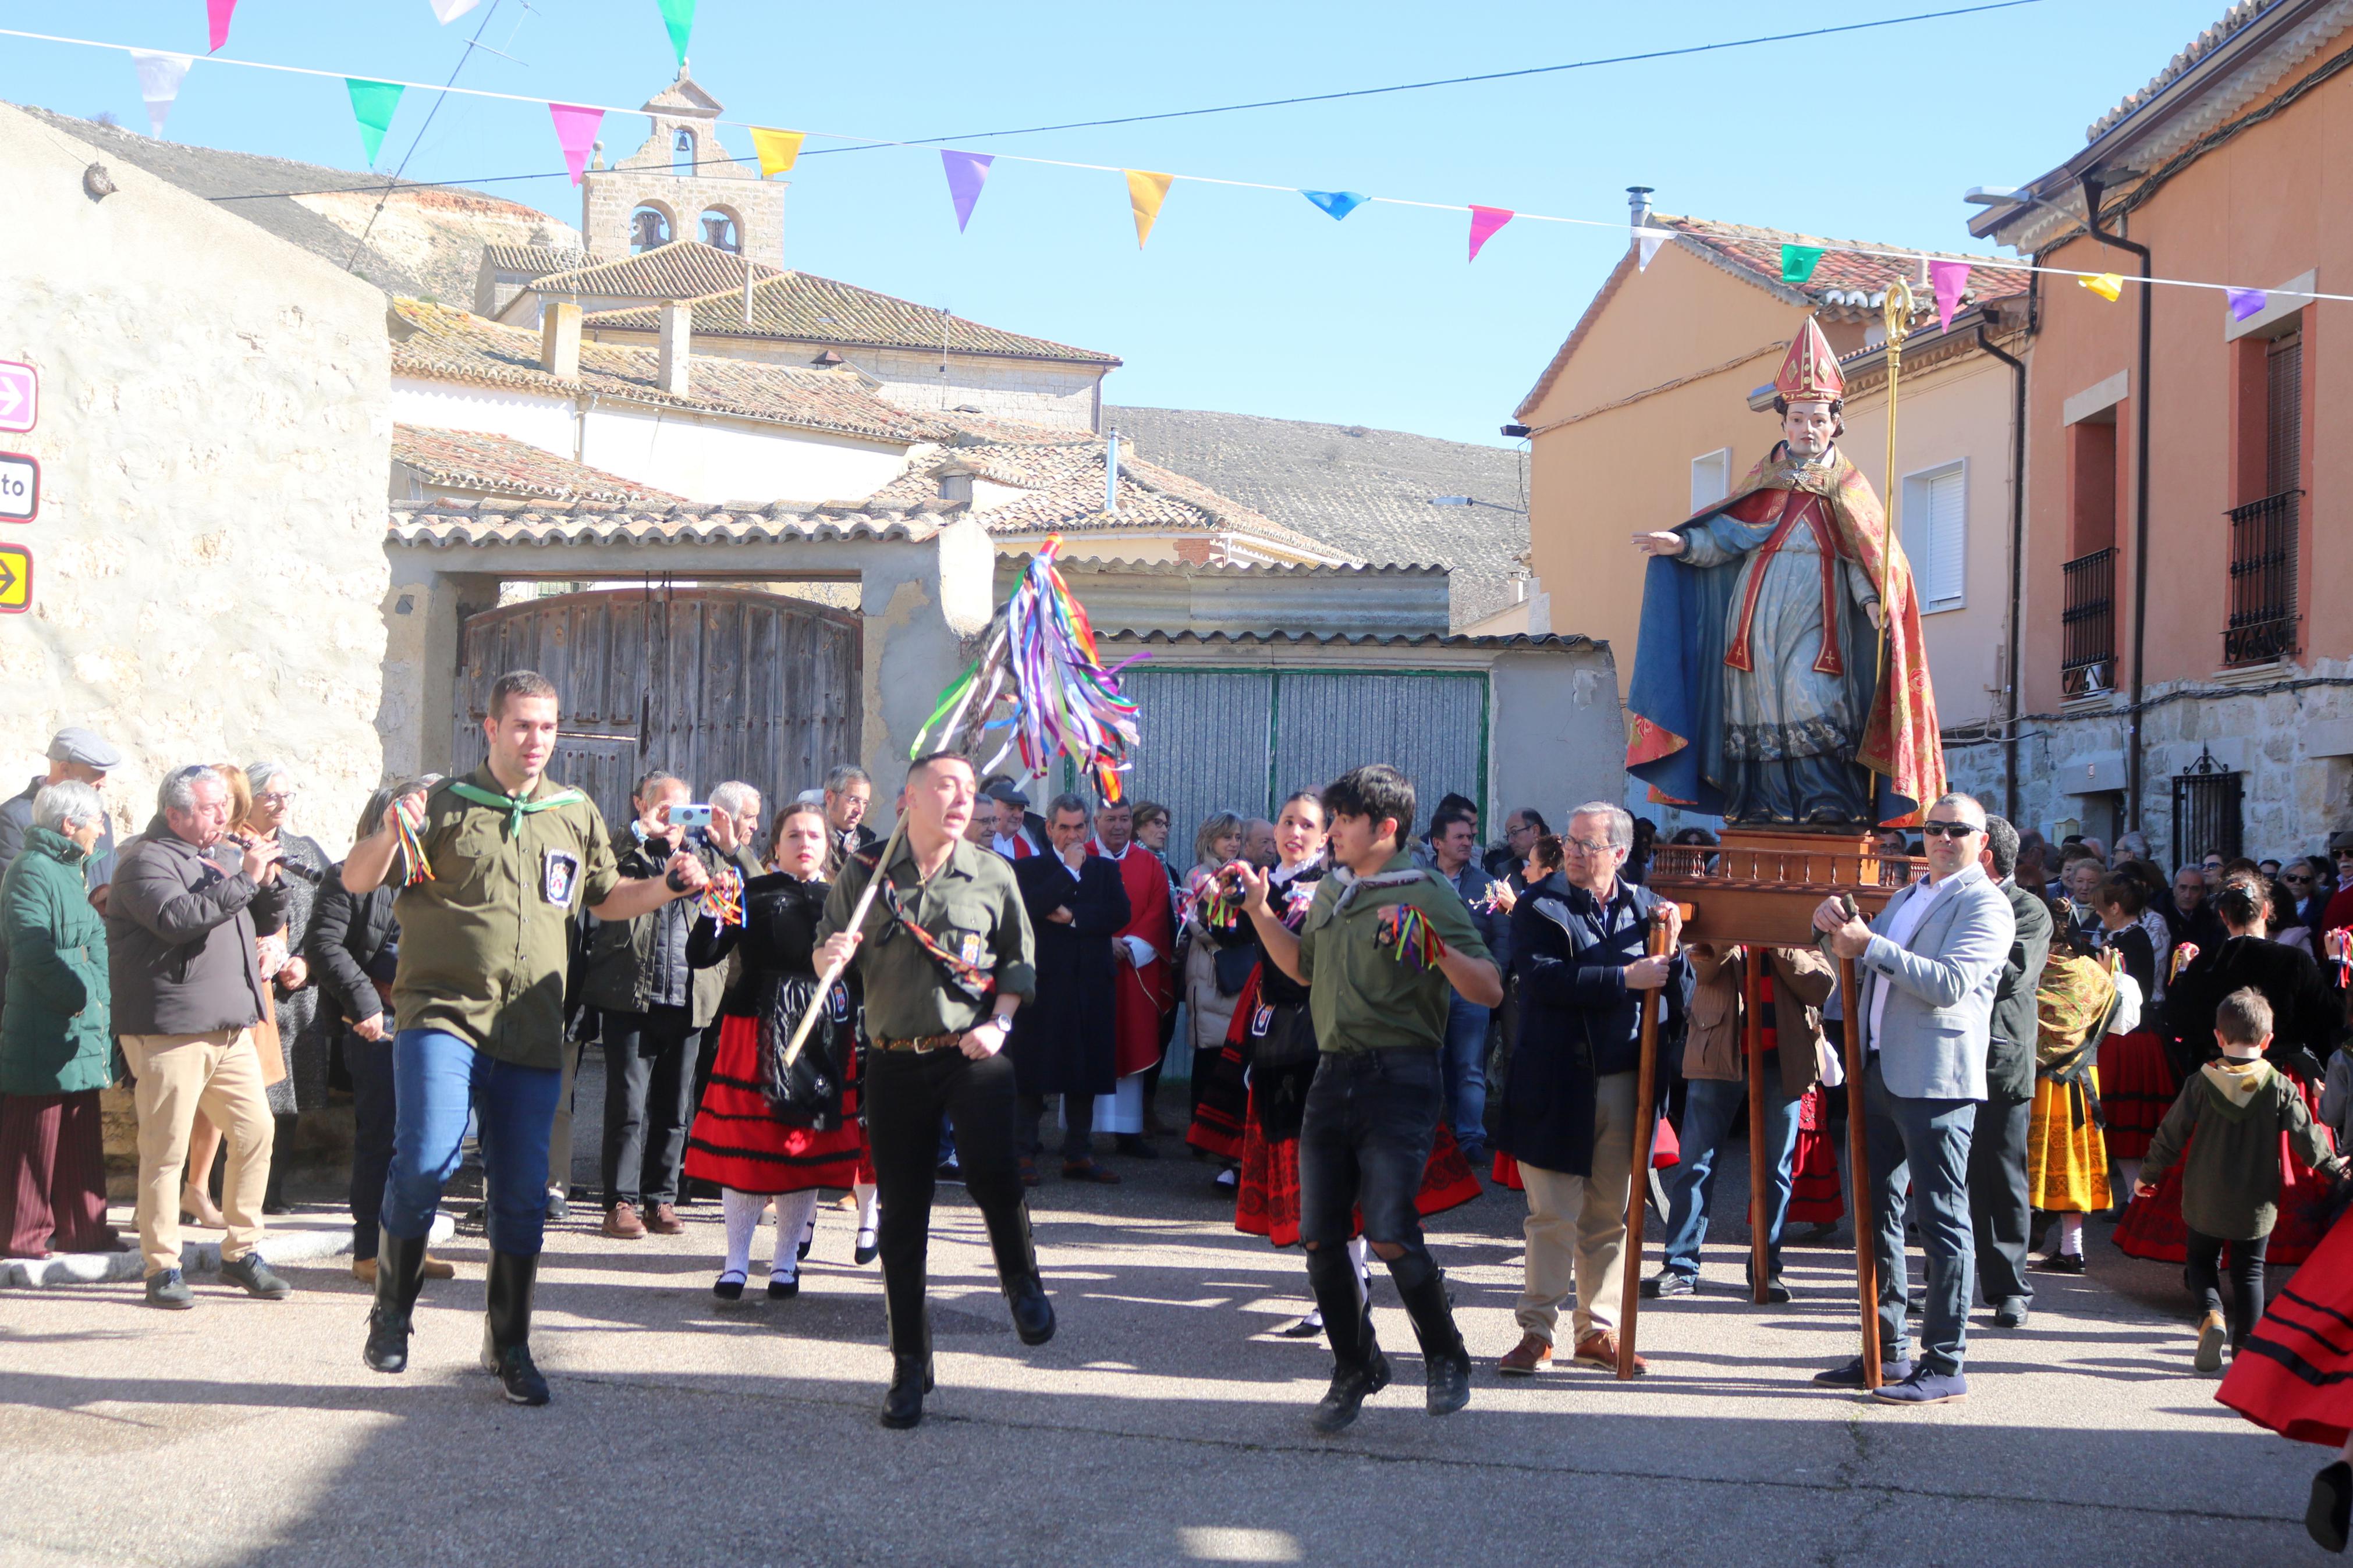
[2206, 798]
[2088, 625]
[2262, 623]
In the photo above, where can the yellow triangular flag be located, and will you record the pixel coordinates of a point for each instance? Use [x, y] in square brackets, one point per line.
[1145, 192]
[777, 149]
[2108, 286]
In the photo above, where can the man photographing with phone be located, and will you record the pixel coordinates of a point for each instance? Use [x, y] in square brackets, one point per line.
[494, 867]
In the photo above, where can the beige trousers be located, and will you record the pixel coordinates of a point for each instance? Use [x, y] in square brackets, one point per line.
[178, 1075]
[1577, 1224]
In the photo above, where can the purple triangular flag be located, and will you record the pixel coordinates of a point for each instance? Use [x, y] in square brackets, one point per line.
[966, 171]
[1947, 279]
[2245, 302]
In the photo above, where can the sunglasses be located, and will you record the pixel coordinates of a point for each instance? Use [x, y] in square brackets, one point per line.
[2298, 877]
[1948, 830]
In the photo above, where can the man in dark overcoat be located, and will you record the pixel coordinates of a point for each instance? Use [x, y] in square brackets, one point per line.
[1063, 1041]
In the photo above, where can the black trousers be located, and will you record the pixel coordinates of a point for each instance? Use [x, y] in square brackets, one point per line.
[648, 1102]
[2201, 1268]
[1078, 1126]
[373, 1112]
[908, 1094]
[1997, 1197]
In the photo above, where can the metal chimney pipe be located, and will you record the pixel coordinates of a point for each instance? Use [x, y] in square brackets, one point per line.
[1638, 205]
[1111, 471]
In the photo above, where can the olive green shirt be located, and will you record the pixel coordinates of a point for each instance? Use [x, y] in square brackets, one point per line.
[1362, 996]
[484, 945]
[970, 906]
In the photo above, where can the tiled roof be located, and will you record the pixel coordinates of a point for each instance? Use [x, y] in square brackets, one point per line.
[456, 345]
[806, 307]
[467, 459]
[536, 261]
[2203, 45]
[682, 269]
[1845, 285]
[1367, 639]
[457, 524]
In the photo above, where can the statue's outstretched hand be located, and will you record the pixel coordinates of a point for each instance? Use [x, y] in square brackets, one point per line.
[1659, 543]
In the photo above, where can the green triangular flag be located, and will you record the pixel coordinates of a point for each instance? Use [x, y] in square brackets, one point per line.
[372, 103]
[678, 15]
[1799, 261]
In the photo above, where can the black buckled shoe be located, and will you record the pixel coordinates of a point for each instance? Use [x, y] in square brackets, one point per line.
[911, 1379]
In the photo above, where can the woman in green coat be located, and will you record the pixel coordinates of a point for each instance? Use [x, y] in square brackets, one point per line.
[56, 1050]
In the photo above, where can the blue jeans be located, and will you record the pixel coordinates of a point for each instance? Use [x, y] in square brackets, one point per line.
[439, 1077]
[1707, 1117]
[1466, 1071]
[1364, 1138]
[1924, 1144]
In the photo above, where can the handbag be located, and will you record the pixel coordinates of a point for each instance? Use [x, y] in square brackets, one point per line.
[1233, 966]
[807, 1093]
[1281, 1037]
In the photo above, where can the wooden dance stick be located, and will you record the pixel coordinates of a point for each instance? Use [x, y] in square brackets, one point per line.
[833, 971]
[1760, 1172]
[1867, 1265]
[1638, 1188]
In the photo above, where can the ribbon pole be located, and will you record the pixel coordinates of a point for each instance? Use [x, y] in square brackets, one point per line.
[833, 971]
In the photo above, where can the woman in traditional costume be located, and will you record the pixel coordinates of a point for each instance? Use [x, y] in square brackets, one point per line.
[2138, 1082]
[766, 1130]
[2084, 999]
[2293, 1372]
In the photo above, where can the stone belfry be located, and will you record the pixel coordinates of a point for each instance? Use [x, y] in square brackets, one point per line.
[681, 184]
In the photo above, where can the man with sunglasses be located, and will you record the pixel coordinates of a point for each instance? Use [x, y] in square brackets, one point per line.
[1926, 970]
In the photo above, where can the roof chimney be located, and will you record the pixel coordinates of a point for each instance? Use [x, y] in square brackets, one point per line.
[677, 341]
[1111, 471]
[1638, 205]
[559, 340]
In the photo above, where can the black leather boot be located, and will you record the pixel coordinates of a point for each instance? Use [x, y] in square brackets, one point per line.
[1446, 1365]
[1359, 1369]
[506, 1327]
[2329, 1515]
[911, 1353]
[1016, 1271]
[400, 1276]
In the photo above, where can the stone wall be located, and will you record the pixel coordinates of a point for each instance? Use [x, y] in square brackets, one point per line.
[213, 444]
[607, 196]
[1042, 392]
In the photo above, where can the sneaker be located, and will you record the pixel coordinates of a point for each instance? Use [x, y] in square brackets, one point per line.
[2010, 1313]
[1336, 1411]
[252, 1272]
[1668, 1284]
[169, 1290]
[475, 1221]
[1529, 1357]
[519, 1376]
[1777, 1290]
[2210, 1335]
[622, 1223]
[1850, 1374]
[559, 1208]
[949, 1172]
[1924, 1388]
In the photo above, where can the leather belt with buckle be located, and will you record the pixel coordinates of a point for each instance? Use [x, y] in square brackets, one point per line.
[922, 1044]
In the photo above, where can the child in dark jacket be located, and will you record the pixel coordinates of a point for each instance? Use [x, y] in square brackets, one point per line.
[2237, 1108]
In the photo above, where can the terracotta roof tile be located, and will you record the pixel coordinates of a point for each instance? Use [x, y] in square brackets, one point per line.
[682, 269]
[458, 524]
[456, 345]
[536, 261]
[467, 459]
[2203, 45]
[803, 306]
[1843, 283]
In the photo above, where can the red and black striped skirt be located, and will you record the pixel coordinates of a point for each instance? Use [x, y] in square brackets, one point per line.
[737, 1142]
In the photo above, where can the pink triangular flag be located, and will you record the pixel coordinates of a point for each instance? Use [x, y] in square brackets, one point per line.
[1485, 222]
[217, 12]
[575, 131]
[1948, 278]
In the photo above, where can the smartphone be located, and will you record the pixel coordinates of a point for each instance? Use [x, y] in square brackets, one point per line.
[689, 816]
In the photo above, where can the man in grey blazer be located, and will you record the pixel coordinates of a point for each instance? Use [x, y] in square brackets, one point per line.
[1999, 1190]
[1926, 970]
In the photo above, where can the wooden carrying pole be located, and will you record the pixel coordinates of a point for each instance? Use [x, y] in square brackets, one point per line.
[1866, 1267]
[1760, 1172]
[858, 924]
[1638, 1186]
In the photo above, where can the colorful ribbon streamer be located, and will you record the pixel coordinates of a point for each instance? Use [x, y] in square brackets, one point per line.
[417, 867]
[723, 897]
[1404, 931]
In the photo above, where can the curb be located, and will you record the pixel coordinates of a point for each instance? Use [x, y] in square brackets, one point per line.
[302, 1245]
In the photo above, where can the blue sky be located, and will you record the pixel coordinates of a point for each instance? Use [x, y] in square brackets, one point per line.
[1246, 300]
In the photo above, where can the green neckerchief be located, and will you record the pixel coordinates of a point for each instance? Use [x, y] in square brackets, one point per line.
[515, 806]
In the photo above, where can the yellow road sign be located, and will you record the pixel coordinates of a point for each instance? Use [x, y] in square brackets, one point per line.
[16, 579]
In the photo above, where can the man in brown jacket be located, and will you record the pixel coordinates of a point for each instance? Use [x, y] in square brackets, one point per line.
[1795, 982]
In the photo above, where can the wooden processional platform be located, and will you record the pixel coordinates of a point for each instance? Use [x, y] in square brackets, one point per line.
[1760, 887]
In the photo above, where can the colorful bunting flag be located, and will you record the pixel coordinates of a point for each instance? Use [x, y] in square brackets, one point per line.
[678, 15]
[218, 13]
[1646, 244]
[2108, 286]
[449, 11]
[2245, 302]
[777, 149]
[1949, 280]
[576, 132]
[1799, 261]
[159, 84]
[1485, 222]
[966, 171]
[373, 104]
[1337, 204]
[1145, 192]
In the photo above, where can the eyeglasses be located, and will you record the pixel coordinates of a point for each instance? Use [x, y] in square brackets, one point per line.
[1948, 829]
[274, 797]
[1588, 846]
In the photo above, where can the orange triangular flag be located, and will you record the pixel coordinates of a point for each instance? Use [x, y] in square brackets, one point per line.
[1145, 192]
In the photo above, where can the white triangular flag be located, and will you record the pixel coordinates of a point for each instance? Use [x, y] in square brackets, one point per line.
[450, 10]
[160, 76]
[1647, 241]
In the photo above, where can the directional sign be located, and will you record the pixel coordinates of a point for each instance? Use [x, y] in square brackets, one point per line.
[20, 488]
[16, 579]
[21, 396]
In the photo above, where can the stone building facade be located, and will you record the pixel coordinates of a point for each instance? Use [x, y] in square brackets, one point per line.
[685, 177]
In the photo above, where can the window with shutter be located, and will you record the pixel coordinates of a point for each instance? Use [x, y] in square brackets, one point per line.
[1936, 534]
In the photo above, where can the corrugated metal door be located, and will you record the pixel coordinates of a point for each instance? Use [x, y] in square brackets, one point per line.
[709, 683]
[1223, 740]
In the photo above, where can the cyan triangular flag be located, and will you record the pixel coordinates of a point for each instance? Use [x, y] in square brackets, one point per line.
[678, 15]
[373, 105]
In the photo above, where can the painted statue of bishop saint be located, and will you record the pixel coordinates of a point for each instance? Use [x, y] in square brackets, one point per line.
[1772, 684]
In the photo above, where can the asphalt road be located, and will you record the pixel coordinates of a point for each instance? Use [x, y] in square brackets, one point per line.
[1164, 1424]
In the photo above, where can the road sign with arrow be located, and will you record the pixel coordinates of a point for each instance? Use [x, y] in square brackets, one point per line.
[21, 396]
[16, 579]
